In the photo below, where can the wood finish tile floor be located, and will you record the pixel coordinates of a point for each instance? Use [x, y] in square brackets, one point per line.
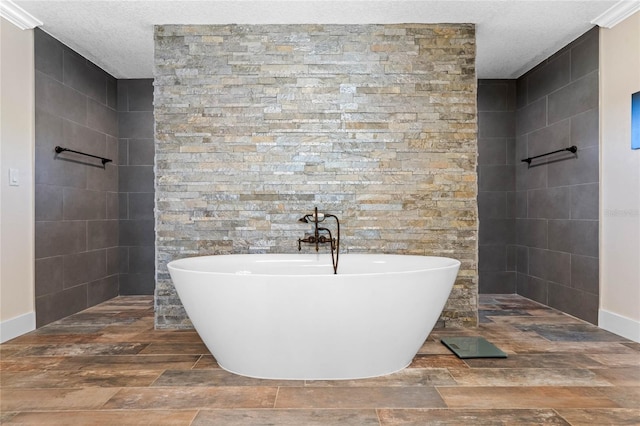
[107, 365]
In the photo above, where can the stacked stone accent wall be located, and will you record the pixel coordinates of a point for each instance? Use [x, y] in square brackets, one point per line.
[257, 125]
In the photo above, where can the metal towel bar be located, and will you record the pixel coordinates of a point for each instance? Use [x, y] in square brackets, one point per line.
[60, 149]
[573, 149]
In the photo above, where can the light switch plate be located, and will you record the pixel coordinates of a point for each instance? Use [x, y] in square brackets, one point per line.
[13, 177]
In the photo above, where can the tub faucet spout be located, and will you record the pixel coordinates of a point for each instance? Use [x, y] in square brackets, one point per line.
[322, 235]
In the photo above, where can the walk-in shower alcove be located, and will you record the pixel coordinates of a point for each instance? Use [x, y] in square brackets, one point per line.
[374, 123]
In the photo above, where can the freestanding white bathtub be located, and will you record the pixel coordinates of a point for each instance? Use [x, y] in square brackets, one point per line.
[287, 316]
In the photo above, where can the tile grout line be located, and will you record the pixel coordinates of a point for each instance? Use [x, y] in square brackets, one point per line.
[275, 400]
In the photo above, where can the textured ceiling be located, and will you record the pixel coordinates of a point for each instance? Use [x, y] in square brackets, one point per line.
[512, 36]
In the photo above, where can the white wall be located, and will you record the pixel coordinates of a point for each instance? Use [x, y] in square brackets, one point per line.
[17, 313]
[620, 181]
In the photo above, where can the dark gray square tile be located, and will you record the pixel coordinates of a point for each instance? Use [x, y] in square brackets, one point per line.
[574, 302]
[492, 257]
[579, 168]
[141, 259]
[136, 179]
[531, 117]
[574, 236]
[492, 151]
[522, 260]
[585, 201]
[137, 232]
[533, 288]
[102, 234]
[54, 306]
[123, 205]
[585, 273]
[549, 203]
[84, 267]
[140, 95]
[84, 77]
[492, 204]
[102, 290]
[48, 202]
[58, 238]
[113, 260]
[573, 99]
[585, 129]
[48, 54]
[497, 178]
[84, 139]
[113, 211]
[496, 124]
[123, 152]
[112, 92]
[49, 275]
[141, 152]
[81, 204]
[532, 233]
[133, 284]
[547, 139]
[558, 267]
[497, 282]
[493, 95]
[497, 231]
[585, 54]
[521, 204]
[136, 125]
[55, 98]
[538, 263]
[141, 205]
[103, 178]
[102, 118]
[550, 76]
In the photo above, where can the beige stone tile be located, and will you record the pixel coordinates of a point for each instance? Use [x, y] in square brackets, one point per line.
[106, 417]
[359, 397]
[527, 377]
[318, 417]
[524, 397]
[193, 397]
[58, 399]
[461, 417]
[601, 416]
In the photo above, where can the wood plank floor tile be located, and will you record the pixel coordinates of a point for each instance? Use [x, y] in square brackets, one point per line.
[206, 362]
[617, 360]
[195, 348]
[216, 377]
[177, 398]
[58, 399]
[78, 379]
[129, 362]
[406, 377]
[525, 397]
[625, 397]
[551, 360]
[527, 377]
[322, 417]
[359, 397]
[105, 417]
[70, 349]
[601, 416]
[461, 417]
[620, 376]
[437, 361]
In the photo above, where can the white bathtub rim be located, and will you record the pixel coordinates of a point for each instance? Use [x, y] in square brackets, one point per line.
[455, 263]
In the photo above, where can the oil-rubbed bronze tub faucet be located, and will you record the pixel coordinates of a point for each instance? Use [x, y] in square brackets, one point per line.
[322, 235]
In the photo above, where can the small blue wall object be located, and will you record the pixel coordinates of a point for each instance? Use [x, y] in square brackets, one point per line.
[635, 120]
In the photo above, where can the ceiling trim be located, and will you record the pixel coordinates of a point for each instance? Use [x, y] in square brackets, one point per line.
[18, 16]
[617, 13]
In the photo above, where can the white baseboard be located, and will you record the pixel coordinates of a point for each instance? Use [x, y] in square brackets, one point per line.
[17, 326]
[622, 326]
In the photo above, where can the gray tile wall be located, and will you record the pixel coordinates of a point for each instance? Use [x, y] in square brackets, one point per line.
[496, 185]
[136, 186]
[556, 202]
[76, 197]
